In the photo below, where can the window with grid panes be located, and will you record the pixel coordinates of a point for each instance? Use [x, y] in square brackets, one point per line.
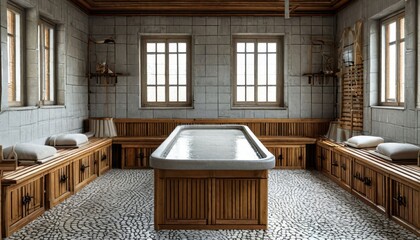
[166, 71]
[392, 60]
[46, 60]
[258, 71]
[14, 53]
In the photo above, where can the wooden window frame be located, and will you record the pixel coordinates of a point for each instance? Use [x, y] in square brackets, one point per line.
[17, 63]
[143, 61]
[384, 73]
[43, 23]
[279, 103]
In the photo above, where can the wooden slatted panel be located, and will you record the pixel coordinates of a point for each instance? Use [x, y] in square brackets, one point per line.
[408, 207]
[260, 127]
[60, 184]
[236, 201]
[352, 98]
[186, 200]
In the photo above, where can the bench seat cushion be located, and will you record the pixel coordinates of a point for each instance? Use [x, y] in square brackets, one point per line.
[29, 151]
[364, 141]
[68, 140]
[398, 152]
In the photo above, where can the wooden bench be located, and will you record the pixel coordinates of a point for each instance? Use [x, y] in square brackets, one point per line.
[28, 191]
[390, 188]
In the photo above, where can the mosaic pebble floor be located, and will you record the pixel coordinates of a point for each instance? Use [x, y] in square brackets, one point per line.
[302, 205]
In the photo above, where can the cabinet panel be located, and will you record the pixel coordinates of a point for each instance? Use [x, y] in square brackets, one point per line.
[405, 204]
[59, 185]
[289, 156]
[84, 171]
[335, 165]
[345, 170]
[104, 158]
[370, 184]
[324, 159]
[23, 203]
[136, 156]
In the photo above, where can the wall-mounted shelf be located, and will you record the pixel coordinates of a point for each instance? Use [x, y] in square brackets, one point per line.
[320, 77]
[105, 78]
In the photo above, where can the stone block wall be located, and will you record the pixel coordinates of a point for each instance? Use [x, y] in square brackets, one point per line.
[211, 65]
[32, 123]
[394, 124]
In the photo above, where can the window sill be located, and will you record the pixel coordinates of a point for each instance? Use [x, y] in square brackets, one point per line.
[52, 106]
[388, 107]
[258, 108]
[165, 108]
[23, 108]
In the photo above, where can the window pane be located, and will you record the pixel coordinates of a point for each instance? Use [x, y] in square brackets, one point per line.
[172, 47]
[250, 94]
[52, 60]
[392, 70]
[151, 64]
[272, 69]
[402, 72]
[151, 94]
[240, 69]
[173, 94]
[182, 64]
[250, 69]
[151, 47]
[182, 47]
[240, 47]
[173, 69]
[250, 47]
[262, 94]
[151, 79]
[160, 69]
[18, 69]
[160, 47]
[262, 69]
[392, 30]
[272, 94]
[272, 47]
[240, 94]
[160, 94]
[182, 94]
[262, 47]
[182, 79]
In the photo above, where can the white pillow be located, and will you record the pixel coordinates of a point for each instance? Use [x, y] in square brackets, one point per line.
[399, 151]
[364, 141]
[29, 151]
[68, 140]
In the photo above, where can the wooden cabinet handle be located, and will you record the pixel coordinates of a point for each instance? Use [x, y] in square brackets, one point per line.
[104, 157]
[26, 199]
[367, 181]
[300, 157]
[335, 164]
[401, 200]
[83, 167]
[343, 166]
[63, 178]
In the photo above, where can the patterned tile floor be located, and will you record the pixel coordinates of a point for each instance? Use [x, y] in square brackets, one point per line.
[302, 205]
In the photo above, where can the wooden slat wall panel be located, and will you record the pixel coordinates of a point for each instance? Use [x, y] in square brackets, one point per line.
[260, 127]
[352, 99]
[186, 200]
[237, 201]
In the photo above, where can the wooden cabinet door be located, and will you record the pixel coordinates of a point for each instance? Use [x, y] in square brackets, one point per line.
[136, 156]
[405, 204]
[345, 171]
[325, 160]
[335, 165]
[84, 171]
[59, 185]
[289, 156]
[104, 158]
[358, 178]
[22, 204]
